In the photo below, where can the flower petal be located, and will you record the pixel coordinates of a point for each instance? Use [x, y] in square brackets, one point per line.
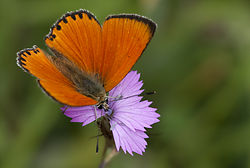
[85, 114]
[128, 140]
[131, 115]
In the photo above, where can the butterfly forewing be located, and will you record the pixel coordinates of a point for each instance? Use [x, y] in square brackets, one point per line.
[124, 39]
[77, 36]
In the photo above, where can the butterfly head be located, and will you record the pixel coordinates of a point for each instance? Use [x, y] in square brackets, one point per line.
[103, 104]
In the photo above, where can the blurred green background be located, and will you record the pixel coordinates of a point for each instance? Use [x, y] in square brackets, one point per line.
[198, 62]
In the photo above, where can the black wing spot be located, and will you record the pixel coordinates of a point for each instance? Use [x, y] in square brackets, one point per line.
[58, 27]
[23, 63]
[73, 16]
[80, 15]
[28, 52]
[53, 36]
[90, 16]
[35, 51]
[21, 58]
[64, 20]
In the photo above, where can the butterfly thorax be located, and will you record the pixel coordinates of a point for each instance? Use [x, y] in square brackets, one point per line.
[89, 85]
[103, 104]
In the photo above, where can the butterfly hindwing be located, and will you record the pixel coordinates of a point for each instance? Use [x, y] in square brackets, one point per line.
[53, 82]
[125, 37]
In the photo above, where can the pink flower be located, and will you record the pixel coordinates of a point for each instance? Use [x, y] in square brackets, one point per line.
[128, 117]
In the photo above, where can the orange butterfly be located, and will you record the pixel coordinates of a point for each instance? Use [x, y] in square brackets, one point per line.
[88, 59]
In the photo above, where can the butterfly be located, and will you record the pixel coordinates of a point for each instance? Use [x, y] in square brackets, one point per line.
[88, 59]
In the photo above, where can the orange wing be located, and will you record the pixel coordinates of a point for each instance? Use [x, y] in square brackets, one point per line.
[77, 36]
[124, 39]
[53, 82]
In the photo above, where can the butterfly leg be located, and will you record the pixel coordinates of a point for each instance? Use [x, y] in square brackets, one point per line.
[113, 126]
[118, 97]
[95, 113]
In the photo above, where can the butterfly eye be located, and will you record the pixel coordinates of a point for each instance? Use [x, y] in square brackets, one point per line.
[103, 104]
[100, 106]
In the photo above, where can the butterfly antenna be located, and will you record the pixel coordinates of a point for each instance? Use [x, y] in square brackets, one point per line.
[150, 93]
[117, 97]
[95, 113]
[121, 98]
[97, 142]
[98, 132]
